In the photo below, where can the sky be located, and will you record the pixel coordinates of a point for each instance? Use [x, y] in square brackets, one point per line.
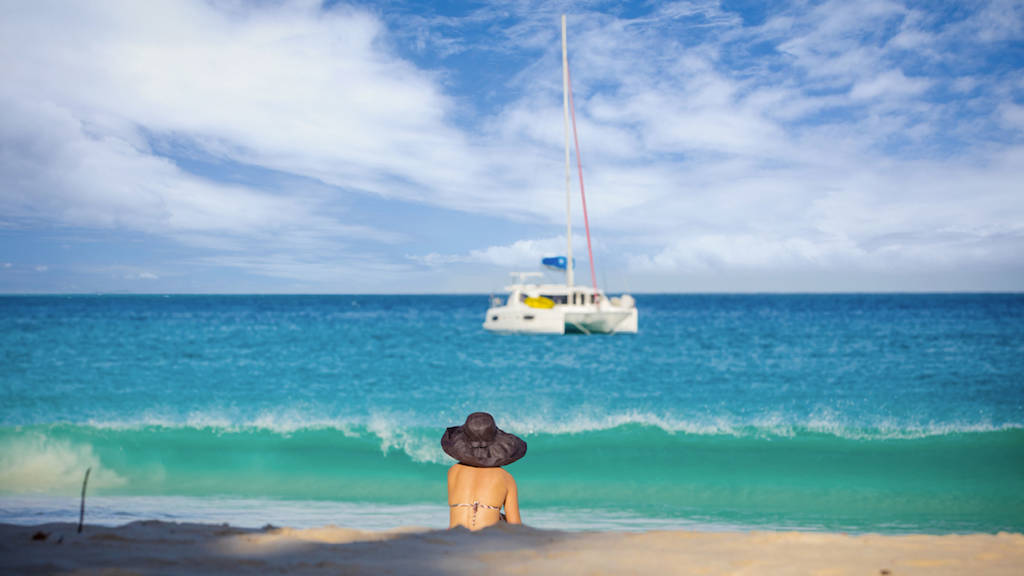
[186, 146]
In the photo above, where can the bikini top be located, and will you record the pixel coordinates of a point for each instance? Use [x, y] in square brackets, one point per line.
[476, 505]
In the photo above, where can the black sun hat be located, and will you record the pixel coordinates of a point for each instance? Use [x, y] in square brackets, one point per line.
[479, 442]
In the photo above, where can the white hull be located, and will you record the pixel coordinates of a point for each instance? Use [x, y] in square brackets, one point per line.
[562, 319]
[602, 321]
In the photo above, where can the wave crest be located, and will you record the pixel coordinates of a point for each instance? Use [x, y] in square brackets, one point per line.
[772, 425]
[36, 463]
[417, 436]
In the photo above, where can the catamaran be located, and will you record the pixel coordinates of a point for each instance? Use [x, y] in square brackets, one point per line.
[563, 308]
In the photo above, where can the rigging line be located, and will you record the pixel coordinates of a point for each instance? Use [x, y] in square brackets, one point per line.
[579, 165]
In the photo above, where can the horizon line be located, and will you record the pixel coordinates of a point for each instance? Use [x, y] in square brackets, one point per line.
[645, 293]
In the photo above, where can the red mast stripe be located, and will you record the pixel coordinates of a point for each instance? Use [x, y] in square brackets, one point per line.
[579, 165]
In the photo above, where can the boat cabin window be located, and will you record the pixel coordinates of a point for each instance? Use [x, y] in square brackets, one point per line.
[556, 298]
[581, 298]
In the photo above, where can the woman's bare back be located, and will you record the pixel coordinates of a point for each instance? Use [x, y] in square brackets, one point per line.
[476, 496]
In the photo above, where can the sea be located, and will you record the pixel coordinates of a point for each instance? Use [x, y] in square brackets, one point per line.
[888, 413]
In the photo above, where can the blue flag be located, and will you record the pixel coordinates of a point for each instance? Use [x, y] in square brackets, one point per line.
[557, 262]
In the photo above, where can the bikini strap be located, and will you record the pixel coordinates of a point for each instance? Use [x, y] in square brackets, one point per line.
[475, 505]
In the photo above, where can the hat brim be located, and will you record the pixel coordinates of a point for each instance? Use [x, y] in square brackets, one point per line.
[504, 450]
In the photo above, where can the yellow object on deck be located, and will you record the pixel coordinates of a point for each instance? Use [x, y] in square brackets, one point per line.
[539, 302]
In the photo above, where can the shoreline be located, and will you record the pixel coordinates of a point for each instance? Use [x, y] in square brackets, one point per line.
[157, 547]
[112, 511]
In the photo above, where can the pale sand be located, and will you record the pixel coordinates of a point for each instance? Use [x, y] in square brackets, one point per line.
[164, 548]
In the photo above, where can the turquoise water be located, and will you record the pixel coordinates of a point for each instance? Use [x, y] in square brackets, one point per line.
[888, 413]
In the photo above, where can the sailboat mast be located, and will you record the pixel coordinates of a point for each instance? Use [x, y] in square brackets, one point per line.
[568, 195]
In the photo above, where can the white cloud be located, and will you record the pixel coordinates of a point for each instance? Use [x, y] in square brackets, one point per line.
[889, 83]
[1013, 115]
[41, 268]
[818, 151]
[142, 276]
[320, 272]
[996, 21]
[285, 87]
[7, 265]
[745, 252]
[519, 255]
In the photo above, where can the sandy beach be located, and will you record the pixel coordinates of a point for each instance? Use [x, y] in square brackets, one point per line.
[167, 548]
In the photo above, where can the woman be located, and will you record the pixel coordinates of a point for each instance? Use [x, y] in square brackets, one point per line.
[477, 486]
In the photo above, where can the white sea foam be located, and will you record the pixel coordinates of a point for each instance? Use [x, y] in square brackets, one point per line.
[582, 422]
[256, 513]
[418, 443]
[417, 436]
[773, 424]
[280, 422]
[888, 429]
[34, 462]
[239, 512]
